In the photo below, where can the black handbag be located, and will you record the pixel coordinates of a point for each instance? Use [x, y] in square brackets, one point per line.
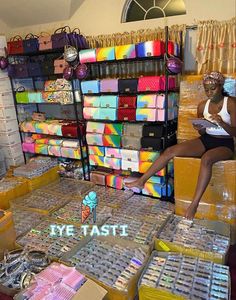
[127, 85]
[152, 143]
[158, 130]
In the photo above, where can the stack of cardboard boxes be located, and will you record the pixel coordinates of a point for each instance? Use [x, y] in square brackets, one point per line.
[10, 142]
[219, 200]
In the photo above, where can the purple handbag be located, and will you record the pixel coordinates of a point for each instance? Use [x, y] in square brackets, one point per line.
[34, 69]
[18, 71]
[60, 38]
[109, 85]
[77, 40]
[30, 43]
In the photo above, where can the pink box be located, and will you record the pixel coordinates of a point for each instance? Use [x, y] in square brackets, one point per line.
[109, 85]
[113, 163]
[172, 100]
[28, 147]
[113, 152]
[161, 114]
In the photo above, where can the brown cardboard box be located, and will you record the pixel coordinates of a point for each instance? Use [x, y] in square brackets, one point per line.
[225, 213]
[113, 293]
[219, 227]
[90, 290]
[221, 189]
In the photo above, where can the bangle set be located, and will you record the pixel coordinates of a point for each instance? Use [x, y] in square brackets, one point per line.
[19, 266]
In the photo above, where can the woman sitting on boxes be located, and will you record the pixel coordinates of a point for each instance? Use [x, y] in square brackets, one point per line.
[214, 143]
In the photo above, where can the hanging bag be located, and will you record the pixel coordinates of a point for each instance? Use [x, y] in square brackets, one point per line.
[45, 42]
[30, 43]
[15, 45]
[60, 37]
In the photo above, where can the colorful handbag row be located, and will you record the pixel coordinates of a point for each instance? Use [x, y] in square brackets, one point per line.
[144, 49]
[62, 97]
[54, 127]
[140, 101]
[130, 142]
[53, 150]
[132, 130]
[134, 165]
[154, 187]
[33, 43]
[129, 114]
[142, 84]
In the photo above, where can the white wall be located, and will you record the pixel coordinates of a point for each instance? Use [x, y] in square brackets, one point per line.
[105, 18]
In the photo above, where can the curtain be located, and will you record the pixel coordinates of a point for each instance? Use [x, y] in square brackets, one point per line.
[133, 37]
[216, 46]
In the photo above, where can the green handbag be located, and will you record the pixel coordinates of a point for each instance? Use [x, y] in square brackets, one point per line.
[22, 97]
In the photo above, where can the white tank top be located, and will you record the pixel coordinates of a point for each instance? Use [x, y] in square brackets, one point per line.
[224, 115]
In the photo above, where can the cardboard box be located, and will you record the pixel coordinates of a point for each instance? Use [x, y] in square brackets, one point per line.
[221, 189]
[219, 227]
[90, 290]
[113, 294]
[224, 212]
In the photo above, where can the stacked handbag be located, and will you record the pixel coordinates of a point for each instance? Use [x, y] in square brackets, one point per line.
[116, 99]
[62, 37]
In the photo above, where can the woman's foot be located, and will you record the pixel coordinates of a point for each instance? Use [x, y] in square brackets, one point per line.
[137, 183]
[191, 211]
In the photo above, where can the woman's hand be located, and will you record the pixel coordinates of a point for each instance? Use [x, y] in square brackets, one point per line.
[217, 119]
[197, 127]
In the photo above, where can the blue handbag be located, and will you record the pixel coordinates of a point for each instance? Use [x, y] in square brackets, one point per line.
[30, 43]
[34, 69]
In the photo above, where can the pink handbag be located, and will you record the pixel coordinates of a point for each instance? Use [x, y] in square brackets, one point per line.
[59, 66]
[150, 83]
[28, 147]
[109, 85]
[45, 42]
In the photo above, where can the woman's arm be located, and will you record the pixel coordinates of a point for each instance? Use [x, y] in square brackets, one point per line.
[230, 129]
[200, 110]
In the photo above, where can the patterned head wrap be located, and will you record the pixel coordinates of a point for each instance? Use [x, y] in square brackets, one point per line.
[214, 78]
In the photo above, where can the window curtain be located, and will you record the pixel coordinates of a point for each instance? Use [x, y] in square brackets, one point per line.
[216, 46]
[133, 37]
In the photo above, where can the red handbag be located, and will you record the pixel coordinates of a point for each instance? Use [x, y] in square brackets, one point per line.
[15, 45]
[150, 83]
[70, 129]
[126, 114]
[127, 101]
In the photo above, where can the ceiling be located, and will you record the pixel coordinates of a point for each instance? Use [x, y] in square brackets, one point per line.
[20, 13]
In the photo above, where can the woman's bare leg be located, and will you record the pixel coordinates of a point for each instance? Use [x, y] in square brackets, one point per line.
[207, 161]
[193, 148]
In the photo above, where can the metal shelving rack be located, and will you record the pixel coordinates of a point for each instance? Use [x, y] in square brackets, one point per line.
[81, 138]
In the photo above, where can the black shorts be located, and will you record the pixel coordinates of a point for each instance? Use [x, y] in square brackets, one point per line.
[211, 142]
